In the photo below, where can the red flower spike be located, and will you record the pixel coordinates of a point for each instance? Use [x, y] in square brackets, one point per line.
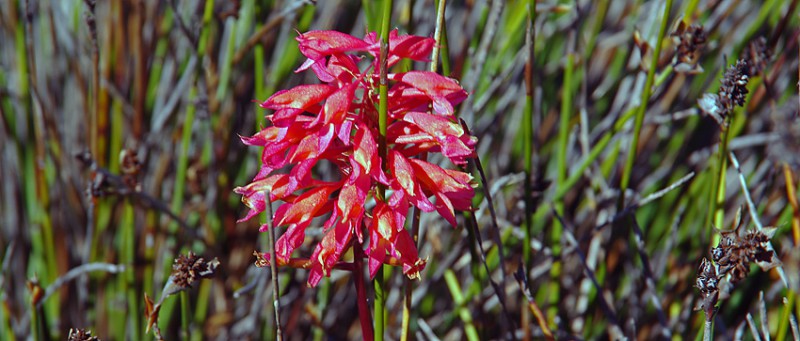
[405, 46]
[451, 188]
[305, 207]
[336, 106]
[328, 252]
[405, 250]
[299, 97]
[376, 253]
[405, 181]
[319, 44]
[336, 121]
[455, 144]
[443, 91]
[289, 241]
[253, 193]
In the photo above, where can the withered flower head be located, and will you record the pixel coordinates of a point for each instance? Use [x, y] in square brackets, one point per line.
[734, 85]
[689, 42]
[737, 249]
[708, 283]
[189, 269]
[130, 166]
[757, 54]
[732, 92]
[77, 334]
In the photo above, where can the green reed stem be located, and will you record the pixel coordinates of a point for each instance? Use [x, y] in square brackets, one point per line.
[527, 150]
[183, 159]
[639, 121]
[459, 301]
[722, 168]
[783, 324]
[527, 130]
[185, 316]
[602, 9]
[563, 136]
[383, 115]
[128, 279]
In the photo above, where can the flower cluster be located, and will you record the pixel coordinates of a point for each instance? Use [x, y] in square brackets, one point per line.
[76, 334]
[690, 41]
[733, 90]
[732, 257]
[336, 121]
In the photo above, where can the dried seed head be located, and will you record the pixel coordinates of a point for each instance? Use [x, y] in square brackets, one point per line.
[189, 269]
[757, 54]
[689, 42]
[130, 166]
[733, 90]
[262, 259]
[77, 334]
[708, 283]
[738, 248]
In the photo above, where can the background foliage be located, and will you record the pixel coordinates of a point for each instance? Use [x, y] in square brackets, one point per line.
[173, 83]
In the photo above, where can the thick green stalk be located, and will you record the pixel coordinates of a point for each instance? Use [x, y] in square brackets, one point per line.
[383, 115]
[648, 84]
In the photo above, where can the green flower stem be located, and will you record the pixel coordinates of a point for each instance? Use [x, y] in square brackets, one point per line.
[383, 114]
[185, 316]
[201, 307]
[648, 84]
[783, 324]
[718, 200]
[128, 279]
[691, 6]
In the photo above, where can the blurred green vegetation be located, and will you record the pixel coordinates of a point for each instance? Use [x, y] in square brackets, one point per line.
[120, 146]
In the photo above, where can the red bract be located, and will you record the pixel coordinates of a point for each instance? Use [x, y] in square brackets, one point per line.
[336, 121]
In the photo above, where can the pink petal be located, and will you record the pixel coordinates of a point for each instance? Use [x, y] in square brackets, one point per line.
[443, 91]
[318, 44]
[405, 180]
[305, 207]
[376, 253]
[299, 97]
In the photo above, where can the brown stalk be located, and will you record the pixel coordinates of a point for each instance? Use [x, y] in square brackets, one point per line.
[522, 280]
